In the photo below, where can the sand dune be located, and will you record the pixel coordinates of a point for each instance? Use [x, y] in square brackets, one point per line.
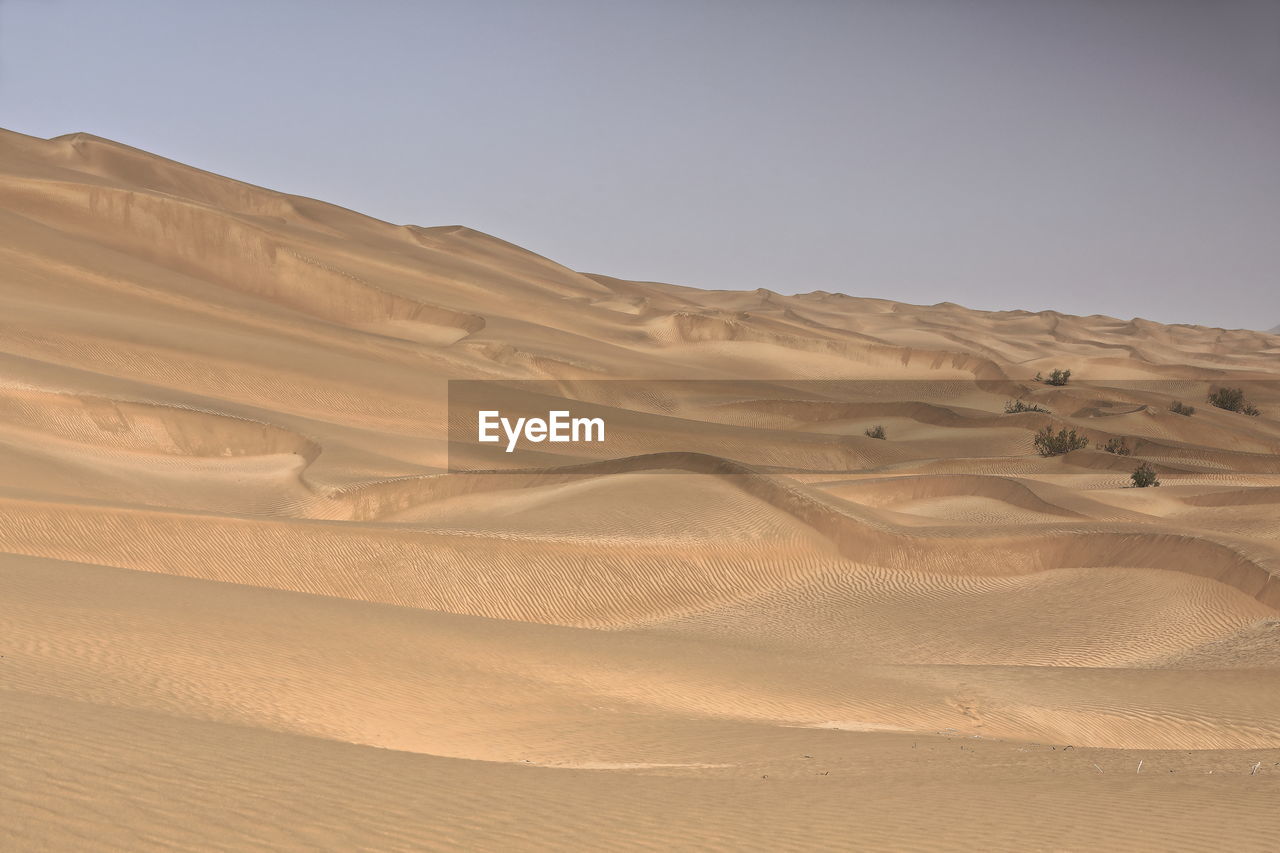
[258, 595]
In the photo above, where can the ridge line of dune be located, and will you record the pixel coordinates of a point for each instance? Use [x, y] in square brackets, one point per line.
[1255, 576]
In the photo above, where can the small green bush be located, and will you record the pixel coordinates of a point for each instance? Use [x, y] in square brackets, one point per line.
[876, 431]
[1013, 407]
[1232, 399]
[1048, 443]
[1116, 445]
[1143, 476]
[1180, 408]
[1059, 377]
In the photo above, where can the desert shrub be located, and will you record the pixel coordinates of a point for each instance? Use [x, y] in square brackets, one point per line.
[1143, 476]
[1059, 377]
[1232, 399]
[876, 431]
[1049, 443]
[1180, 408]
[1013, 407]
[1116, 445]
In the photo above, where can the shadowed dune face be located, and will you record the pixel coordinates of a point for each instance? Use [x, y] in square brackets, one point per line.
[239, 541]
[104, 423]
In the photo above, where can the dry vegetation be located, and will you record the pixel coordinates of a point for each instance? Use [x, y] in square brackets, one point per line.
[1233, 400]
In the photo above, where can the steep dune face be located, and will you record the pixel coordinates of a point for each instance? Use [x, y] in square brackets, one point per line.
[239, 549]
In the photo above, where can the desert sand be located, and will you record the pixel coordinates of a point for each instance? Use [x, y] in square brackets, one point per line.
[246, 603]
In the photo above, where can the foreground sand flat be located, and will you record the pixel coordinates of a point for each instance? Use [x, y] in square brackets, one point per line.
[245, 605]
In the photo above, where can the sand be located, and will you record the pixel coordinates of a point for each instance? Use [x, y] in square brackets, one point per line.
[249, 601]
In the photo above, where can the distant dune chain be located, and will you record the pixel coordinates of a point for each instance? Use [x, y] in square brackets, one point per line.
[319, 532]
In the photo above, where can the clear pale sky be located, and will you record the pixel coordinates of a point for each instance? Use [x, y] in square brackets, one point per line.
[1092, 156]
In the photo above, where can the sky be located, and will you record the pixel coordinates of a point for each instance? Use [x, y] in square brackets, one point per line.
[1119, 157]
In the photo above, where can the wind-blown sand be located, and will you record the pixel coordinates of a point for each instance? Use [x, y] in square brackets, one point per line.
[245, 605]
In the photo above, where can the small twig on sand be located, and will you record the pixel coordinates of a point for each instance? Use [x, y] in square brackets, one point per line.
[1254, 771]
[1139, 766]
[1096, 767]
